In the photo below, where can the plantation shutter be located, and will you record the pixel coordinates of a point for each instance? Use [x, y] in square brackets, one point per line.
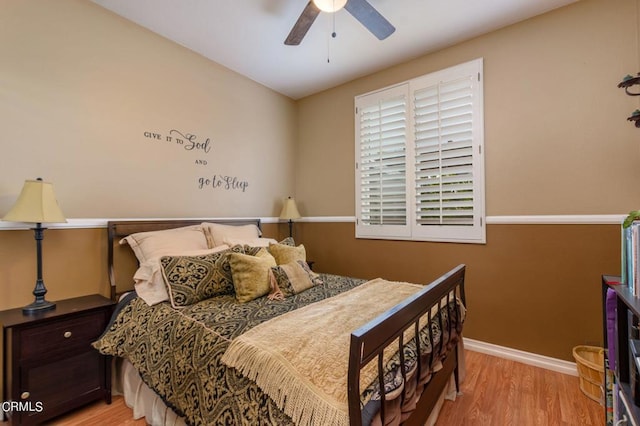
[381, 161]
[420, 167]
[448, 166]
[444, 154]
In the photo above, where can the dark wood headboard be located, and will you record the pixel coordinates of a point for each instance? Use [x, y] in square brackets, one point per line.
[122, 262]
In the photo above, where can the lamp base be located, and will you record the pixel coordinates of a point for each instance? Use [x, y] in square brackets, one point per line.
[38, 306]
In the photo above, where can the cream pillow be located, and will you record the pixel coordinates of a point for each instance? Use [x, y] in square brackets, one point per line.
[154, 244]
[254, 242]
[287, 254]
[215, 233]
[251, 278]
[149, 282]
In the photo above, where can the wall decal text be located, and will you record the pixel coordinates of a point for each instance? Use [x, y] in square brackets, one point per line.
[191, 142]
[223, 182]
[188, 141]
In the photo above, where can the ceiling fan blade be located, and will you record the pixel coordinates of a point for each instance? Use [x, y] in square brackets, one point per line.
[370, 18]
[302, 25]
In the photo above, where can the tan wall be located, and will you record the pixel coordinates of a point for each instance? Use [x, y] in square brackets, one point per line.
[80, 88]
[536, 288]
[556, 136]
[556, 143]
[74, 263]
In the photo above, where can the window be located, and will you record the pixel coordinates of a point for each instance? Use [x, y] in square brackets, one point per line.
[419, 159]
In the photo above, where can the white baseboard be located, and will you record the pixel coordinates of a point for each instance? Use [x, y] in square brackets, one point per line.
[553, 364]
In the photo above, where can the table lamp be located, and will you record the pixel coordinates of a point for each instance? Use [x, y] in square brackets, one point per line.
[37, 204]
[290, 212]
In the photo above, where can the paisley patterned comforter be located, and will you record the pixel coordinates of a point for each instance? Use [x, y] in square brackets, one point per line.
[178, 351]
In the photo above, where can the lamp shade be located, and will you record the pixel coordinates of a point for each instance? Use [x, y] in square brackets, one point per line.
[330, 5]
[36, 204]
[289, 210]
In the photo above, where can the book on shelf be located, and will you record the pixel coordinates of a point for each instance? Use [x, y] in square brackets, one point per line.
[630, 266]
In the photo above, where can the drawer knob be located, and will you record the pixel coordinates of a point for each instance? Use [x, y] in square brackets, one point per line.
[67, 334]
[25, 395]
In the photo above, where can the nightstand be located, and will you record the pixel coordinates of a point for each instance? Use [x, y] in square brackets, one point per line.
[49, 365]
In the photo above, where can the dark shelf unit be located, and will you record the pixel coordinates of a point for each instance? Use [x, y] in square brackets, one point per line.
[627, 314]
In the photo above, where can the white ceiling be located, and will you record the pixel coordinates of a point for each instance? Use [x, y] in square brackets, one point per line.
[248, 36]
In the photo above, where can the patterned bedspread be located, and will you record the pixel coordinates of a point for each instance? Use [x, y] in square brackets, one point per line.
[178, 351]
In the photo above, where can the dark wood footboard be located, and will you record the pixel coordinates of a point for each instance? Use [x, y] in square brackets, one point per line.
[369, 342]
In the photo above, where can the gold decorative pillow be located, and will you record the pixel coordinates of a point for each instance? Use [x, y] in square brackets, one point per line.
[252, 250]
[287, 254]
[251, 274]
[292, 278]
[190, 279]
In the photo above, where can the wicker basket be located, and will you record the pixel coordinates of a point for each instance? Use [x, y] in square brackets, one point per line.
[590, 363]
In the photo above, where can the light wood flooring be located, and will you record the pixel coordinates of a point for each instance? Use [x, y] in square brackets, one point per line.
[500, 392]
[496, 392]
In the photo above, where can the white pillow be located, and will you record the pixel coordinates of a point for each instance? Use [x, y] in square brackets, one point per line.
[148, 279]
[153, 244]
[216, 233]
[253, 242]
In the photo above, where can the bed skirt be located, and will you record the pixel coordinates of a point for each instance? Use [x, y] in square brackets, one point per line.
[145, 403]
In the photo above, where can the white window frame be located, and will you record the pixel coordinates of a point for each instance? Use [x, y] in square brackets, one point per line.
[474, 229]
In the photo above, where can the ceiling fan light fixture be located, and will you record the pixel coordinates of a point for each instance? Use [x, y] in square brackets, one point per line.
[330, 5]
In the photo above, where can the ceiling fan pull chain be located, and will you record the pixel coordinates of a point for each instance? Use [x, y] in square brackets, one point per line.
[328, 49]
[333, 34]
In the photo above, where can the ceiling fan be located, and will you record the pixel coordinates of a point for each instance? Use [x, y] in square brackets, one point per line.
[360, 9]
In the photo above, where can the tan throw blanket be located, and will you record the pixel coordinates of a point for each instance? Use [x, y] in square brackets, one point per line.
[300, 359]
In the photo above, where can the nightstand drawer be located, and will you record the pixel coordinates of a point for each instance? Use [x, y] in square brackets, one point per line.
[57, 383]
[54, 336]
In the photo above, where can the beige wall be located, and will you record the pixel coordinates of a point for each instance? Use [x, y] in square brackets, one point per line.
[81, 87]
[556, 137]
[556, 143]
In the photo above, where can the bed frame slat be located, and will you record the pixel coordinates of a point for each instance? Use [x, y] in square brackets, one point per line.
[370, 340]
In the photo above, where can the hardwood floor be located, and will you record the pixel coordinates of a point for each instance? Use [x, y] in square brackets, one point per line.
[99, 413]
[501, 392]
[496, 392]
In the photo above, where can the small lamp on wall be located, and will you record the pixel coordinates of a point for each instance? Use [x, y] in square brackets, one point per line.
[290, 212]
[37, 204]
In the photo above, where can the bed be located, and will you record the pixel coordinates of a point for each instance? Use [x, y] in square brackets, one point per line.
[188, 358]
